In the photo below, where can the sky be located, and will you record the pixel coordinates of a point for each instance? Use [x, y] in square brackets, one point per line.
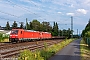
[59, 11]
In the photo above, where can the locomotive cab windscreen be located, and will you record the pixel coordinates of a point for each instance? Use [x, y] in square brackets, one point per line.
[14, 32]
[14, 36]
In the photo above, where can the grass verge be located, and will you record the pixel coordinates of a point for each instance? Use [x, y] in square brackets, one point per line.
[45, 53]
[85, 51]
[5, 40]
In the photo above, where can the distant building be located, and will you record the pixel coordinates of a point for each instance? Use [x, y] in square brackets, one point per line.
[2, 28]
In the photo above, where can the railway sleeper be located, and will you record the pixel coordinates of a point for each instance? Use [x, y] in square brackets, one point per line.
[10, 53]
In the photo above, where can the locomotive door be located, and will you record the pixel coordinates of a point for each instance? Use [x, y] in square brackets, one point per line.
[41, 36]
[21, 35]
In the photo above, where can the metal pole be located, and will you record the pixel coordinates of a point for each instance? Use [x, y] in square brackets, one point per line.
[77, 32]
[26, 23]
[62, 32]
[71, 27]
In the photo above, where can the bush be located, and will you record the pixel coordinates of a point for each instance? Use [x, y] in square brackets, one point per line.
[28, 55]
[87, 38]
[85, 51]
[3, 36]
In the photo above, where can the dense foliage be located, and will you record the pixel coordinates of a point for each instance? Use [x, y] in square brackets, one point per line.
[7, 26]
[15, 25]
[3, 36]
[41, 26]
[86, 33]
[85, 51]
[87, 28]
[55, 29]
[21, 26]
[66, 33]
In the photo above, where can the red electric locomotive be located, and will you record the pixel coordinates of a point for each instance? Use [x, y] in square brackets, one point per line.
[45, 35]
[17, 35]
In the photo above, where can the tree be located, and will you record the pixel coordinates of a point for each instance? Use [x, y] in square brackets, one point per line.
[14, 25]
[28, 26]
[86, 33]
[7, 26]
[21, 26]
[31, 27]
[69, 33]
[55, 29]
[64, 32]
[87, 28]
[46, 26]
[88, 24]
[35, 24]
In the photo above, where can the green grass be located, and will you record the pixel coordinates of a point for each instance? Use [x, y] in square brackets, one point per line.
[5, 40]
[45, 53]
[85, 51]
[4, 37]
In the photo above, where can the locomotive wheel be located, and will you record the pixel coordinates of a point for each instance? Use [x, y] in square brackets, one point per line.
[17, 41]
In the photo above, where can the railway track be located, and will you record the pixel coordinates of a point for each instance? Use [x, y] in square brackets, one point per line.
[9, 50]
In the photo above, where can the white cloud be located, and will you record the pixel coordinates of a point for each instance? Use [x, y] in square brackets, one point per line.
[25, 1]
[70, 14]
[87, 2]
[44, 0]
[83, 11]
[59, 12]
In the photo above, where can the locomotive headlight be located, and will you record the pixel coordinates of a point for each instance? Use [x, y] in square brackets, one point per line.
[16, 35]
[10, 35]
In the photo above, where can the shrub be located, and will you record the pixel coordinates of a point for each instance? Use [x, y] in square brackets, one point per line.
[28, 55]
[3, 36]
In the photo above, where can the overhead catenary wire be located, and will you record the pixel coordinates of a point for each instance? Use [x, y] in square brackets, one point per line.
[9, 14]
[24, 8]
[12, 14]
[21, 7]
[47, 14]
[10, 20]
[42, 10]
[5, 19]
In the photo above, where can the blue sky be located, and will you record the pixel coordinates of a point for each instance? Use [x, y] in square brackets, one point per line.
[59, 11]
